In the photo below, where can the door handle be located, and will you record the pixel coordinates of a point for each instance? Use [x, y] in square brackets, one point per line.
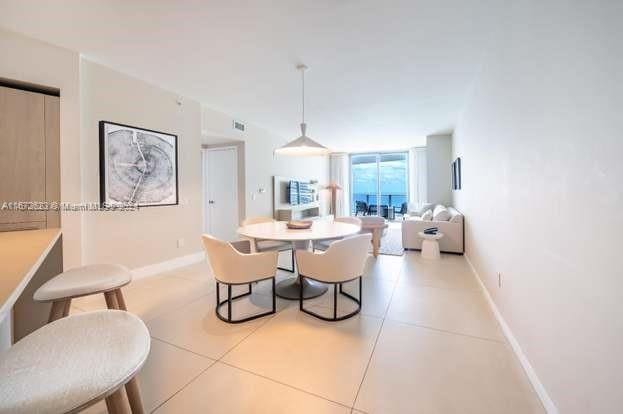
[211, 202]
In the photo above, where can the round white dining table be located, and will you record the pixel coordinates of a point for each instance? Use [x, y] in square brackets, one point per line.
[300, 238]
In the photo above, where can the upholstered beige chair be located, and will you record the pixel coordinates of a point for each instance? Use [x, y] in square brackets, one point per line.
[270, 245]
[324, 244]
[233, 265]
[74, 362]
[342, 262]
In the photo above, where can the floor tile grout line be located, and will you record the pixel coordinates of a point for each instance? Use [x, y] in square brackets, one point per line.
[418, 284]
[169, 311]
[352, 408]
[221, 360]
[213, 360]
[447, 331]
[193, 379]
[378, 335]
[247, 336]
[181, 348]
[206, 356]
[158, 315]
[283, 383]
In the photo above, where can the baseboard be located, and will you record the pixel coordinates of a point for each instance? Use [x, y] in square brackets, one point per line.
[547, 402]
[167, 265]
[441, 251]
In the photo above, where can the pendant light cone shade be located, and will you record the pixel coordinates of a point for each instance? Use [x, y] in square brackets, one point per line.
[303, 145]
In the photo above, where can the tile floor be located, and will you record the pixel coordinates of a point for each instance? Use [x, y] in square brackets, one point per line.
[425, 342]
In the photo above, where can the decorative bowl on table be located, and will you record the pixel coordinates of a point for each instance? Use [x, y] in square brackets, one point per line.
[299, 224]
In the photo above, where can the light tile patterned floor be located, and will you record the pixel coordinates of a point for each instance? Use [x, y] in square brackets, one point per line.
[425, 342]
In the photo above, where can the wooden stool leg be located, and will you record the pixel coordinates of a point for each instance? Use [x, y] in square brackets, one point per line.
[376, 241]
[116, 404]
[58, 308]
[134, 396]
[111, 300]
[67, 307]
[120, 300]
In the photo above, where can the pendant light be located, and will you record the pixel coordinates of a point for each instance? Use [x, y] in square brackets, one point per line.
[303, 145]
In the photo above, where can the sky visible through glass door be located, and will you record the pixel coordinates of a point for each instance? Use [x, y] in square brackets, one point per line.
[387, 171]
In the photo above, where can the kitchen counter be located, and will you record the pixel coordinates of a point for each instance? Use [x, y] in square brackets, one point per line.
[21, 255]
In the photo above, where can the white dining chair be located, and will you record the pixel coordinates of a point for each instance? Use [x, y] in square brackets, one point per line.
[325, 243]
[232, 265]
[342, 262]
[270, 245]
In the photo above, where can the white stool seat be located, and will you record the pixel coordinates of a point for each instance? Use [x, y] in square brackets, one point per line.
[72, 362]
[84, 280]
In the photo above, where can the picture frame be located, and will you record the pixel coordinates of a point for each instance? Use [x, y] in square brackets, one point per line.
[138, 166]
[456, 174]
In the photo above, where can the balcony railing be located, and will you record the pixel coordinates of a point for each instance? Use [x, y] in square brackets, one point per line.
[387, 202]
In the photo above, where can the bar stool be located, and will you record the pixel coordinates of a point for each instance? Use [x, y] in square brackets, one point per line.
[83, 281]
[72, 363]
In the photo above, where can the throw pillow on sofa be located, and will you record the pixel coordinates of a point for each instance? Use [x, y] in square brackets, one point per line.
[428, 215]
[441, 213]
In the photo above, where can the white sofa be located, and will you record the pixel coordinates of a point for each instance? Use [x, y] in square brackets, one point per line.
[452, 240]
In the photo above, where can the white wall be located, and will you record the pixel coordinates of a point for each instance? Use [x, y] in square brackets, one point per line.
[438, 174]
[90, 93]
[541, 146]
[149, 235]
[32, 61]
[261, 164]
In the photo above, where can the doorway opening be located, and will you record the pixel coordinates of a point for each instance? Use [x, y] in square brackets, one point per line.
[221, 207]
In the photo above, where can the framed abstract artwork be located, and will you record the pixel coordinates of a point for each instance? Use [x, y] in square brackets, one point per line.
[137, 166]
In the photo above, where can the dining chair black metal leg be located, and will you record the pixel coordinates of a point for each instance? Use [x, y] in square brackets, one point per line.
[301, 281]
[250, 288]
[360, 293]
[335, 301]
[274, 297]
[229, 303]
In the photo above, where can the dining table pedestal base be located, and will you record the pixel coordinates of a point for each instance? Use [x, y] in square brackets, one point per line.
[291, 288]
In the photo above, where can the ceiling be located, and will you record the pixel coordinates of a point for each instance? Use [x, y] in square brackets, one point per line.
[383, 74]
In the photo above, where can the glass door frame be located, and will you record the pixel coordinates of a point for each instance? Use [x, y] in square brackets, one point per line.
[378, 195]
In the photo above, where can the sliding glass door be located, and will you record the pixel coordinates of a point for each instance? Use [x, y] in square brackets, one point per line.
[379, 183]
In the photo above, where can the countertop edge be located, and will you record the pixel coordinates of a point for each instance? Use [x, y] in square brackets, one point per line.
[6, 307]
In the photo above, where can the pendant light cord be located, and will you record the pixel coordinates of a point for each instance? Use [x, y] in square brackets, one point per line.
[303, 94]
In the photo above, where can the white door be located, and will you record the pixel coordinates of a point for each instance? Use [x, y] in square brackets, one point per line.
[221, 201]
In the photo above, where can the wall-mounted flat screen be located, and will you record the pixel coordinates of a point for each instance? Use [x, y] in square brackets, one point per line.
[300, 192]
[293, 193]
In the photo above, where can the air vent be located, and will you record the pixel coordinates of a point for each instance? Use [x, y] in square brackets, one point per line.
[240, 126]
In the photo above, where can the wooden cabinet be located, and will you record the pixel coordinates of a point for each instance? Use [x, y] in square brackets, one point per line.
[29, 158]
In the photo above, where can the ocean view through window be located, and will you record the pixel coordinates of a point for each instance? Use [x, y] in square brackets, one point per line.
[379, 183]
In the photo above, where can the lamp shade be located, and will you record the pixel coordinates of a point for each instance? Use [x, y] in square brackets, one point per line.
[302, 146]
